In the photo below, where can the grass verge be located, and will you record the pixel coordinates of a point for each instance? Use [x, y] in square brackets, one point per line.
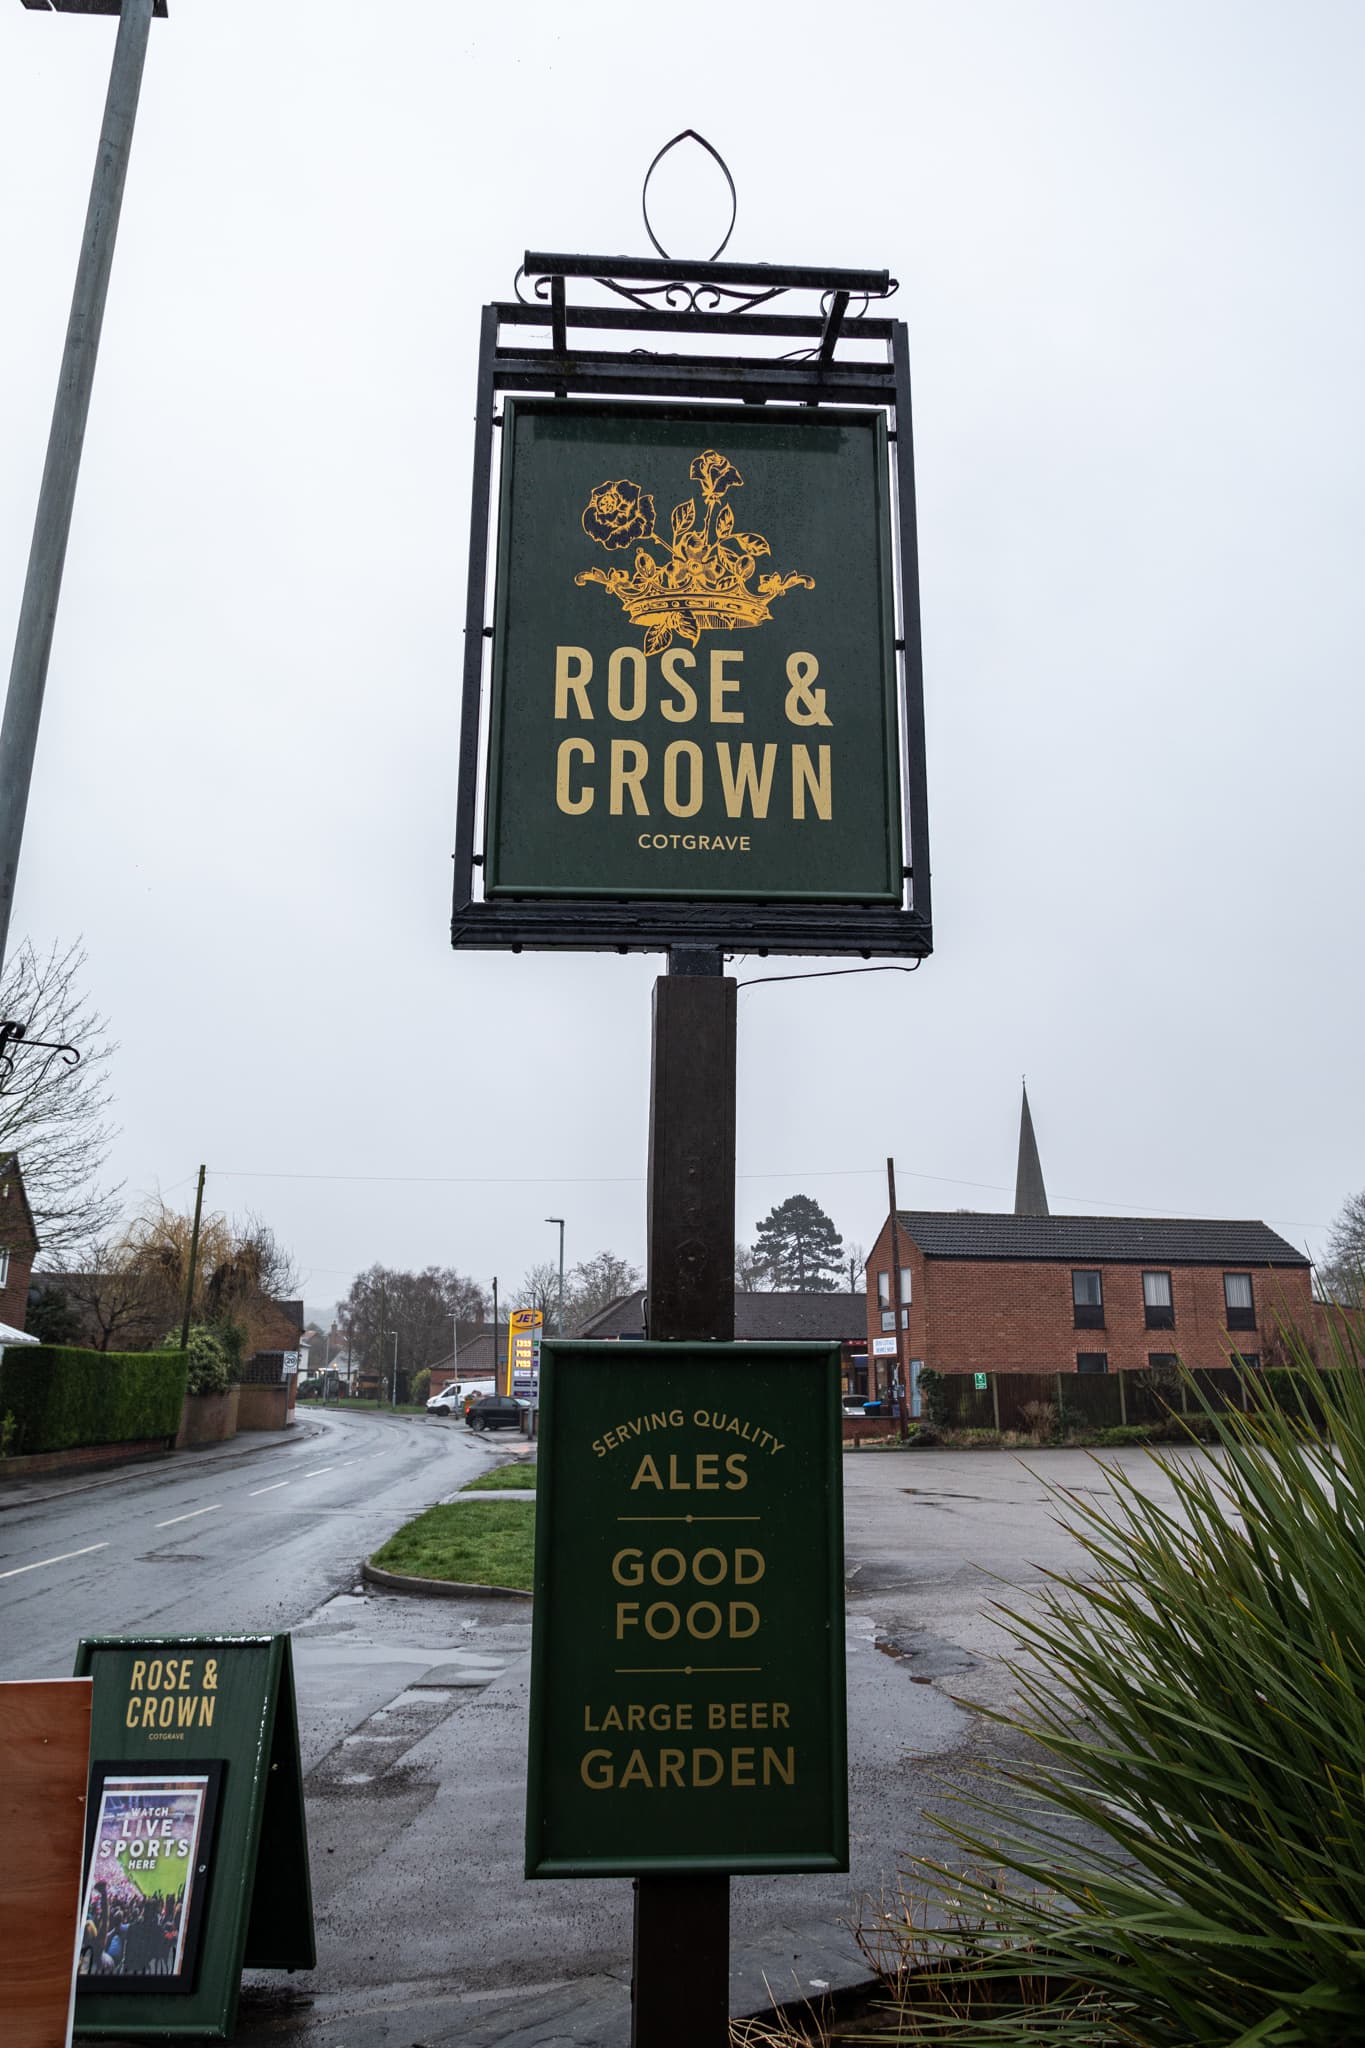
[483, 1546]
[501, 1477]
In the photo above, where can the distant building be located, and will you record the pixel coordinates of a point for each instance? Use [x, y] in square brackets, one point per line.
[478, 1358]
[1034, 1292]
[764, 1317]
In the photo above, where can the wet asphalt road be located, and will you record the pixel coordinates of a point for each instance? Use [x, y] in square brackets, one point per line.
[413, 1714]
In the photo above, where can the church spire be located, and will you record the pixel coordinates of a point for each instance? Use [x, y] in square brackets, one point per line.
[1030, 1196]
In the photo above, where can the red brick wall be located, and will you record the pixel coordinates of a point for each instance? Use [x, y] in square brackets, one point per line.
[988, 1315]
[14, 1293]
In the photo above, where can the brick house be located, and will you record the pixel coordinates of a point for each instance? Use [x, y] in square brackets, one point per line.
[1040, 1293]
[482, 1356]
[18, 1243]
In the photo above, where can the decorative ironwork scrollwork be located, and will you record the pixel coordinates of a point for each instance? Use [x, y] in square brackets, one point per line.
[683, 298]
[690, 135]
[12, 1034]
[540, 288]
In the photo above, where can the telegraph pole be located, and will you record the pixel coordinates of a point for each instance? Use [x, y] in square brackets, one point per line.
[57, 493]
[193, 1261]
[902, 1371]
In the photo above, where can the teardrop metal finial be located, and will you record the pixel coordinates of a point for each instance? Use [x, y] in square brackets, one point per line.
[689, 135]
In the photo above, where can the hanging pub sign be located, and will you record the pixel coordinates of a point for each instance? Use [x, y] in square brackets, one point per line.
[685, 705]
[196, 1860]
[692, 702]
[687, 1665]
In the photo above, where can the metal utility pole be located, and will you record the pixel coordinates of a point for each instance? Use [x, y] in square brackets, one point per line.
[194, 1257]
[57, 493]
[559, 1318]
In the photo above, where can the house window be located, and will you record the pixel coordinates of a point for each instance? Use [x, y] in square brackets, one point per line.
[1162, 1361]
[1156, 1301]
[1249, 1360]
[888, 1319]
[1237, 1297]
[4, 1268]
[1092, 1361]
[1087, 1298]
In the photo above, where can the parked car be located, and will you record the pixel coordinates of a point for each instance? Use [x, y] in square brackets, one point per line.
[496, 1411]
[452, 1398]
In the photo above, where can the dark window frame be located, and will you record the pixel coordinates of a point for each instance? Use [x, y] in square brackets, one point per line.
[1090, 1365]
[1239, 1318]
[1158, 1315]
[1087, 1315]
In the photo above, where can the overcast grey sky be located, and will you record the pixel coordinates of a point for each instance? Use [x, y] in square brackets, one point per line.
[1127, 236]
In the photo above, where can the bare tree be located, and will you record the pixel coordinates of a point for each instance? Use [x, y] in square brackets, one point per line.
[751, 1269]
[540, 1289]
[52, 1114]
[855, 1258]
[117, 1304]
[1342, 1275]
[594, 1283]
[421, 1309]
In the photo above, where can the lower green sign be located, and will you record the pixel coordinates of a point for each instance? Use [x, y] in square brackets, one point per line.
[196, 1860]
[687, 1677]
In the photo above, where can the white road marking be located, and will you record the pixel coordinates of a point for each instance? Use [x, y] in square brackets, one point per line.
[318, 1472]
[14, 1572]
[267, 1489]
[190, 1516]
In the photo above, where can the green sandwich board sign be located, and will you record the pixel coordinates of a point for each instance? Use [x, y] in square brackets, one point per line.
[694, 673]
[196, 1847]
[687, 1677]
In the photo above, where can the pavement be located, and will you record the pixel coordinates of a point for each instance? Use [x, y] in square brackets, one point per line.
[413, 1714]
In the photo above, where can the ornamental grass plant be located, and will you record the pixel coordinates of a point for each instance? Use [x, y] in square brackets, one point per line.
[1180, 1856]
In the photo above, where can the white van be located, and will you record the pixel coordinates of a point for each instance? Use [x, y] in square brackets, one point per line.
[452, 1397]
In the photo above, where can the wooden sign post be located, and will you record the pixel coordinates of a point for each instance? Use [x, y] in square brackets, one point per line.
[45, 1743]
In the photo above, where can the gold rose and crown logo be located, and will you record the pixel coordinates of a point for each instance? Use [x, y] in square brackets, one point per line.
[705, 583]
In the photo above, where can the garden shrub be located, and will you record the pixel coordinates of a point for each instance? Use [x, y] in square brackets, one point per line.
[62, 1398]
[420, 1386]
[934, 1395]
[1192, 1874]
[213, 1357]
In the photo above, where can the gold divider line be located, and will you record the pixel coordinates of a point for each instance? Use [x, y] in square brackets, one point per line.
[685, 1670]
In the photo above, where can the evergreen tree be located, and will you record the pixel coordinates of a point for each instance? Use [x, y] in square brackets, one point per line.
[800, 1247]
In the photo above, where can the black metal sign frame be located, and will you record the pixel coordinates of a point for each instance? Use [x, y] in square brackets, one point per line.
[664, 317]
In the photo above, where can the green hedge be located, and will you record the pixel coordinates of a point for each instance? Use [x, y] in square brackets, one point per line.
[61, 1398]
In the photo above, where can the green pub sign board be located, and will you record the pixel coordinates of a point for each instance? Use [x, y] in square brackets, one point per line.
[687, 1688]
[694, 668]
[196, 1848]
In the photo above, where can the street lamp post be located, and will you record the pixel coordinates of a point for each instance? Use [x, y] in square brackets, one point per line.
[57, 493]
[559, 1318]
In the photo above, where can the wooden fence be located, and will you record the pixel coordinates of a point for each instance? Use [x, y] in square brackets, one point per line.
[1080, 1400]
